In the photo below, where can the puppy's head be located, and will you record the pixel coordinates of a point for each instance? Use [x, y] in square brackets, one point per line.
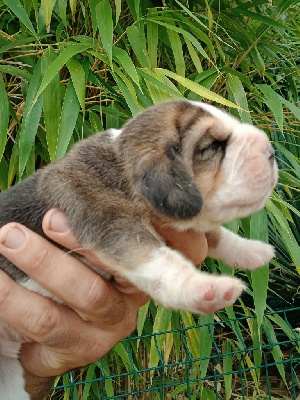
[187, 159]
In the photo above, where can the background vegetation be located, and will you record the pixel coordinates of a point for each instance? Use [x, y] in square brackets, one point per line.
[73, 67]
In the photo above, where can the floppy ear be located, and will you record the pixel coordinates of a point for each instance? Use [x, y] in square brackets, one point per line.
[170, 189]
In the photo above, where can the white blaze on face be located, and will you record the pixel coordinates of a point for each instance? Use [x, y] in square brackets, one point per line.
[249, 173]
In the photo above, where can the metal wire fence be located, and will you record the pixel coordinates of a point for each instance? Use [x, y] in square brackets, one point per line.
[232, 362]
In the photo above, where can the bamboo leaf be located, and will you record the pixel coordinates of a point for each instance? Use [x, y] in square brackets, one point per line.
[89, 377]
[138, 43]
[142, 314]
[122, 353]
[187, 35]
[196, 88]
[4, 116]
[258, 60]
[3, 174]
[118, 5]
[275, 349]
[17, 8]
[31, 118]
[51, 103]
[176, 46]
[128, 90]
[260, 277]
[194, 56]
[78, 79]
[158, 89]
[134, 6]
[108, 382]
[92, 6]
[105, 26]
[73, 6]
[65, 55]
[286, 234]
[239, 95]
[167, 89]
[192, 335]
[22, 73]
[256, 330]
[292, 159]
[69, 115]
[284, 5]
[47, 7]
[294, 109]
[227, 368]
[205, 335]
[161, 323]
[62, 6]
[152, 38]
[274, 103]
[191, 14]
[261, 18]
[20, 42]
[181, 388]
[126, 64]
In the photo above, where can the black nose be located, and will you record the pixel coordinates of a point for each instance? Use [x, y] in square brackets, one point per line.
[271, 154]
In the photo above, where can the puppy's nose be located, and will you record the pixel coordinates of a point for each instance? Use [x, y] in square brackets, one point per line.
[271, 155]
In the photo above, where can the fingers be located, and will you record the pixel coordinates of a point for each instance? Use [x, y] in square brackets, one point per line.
[31, 314]
[55, 226]
[63, 338]
[62, 275]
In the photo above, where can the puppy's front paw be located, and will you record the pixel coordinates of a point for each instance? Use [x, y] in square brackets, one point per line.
[177, 284]
[206, 293]
[216, 292]
[255, 255]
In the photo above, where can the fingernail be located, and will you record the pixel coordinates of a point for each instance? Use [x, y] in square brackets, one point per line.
[14, 238]
[58, 222]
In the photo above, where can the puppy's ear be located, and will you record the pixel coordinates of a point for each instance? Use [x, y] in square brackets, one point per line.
[170, 189]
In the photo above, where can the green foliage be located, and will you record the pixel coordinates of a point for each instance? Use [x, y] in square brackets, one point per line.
[71, 68]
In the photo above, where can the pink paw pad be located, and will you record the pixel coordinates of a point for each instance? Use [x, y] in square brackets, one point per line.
[210, 294]
[222, 293]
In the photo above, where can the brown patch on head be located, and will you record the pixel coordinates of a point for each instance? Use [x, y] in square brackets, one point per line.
[166, 150]
[206, 153]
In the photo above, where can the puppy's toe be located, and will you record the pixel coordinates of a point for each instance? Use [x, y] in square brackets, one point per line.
[260, 256]
[218, 292]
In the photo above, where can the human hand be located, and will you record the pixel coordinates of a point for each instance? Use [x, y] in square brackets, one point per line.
[99, 315]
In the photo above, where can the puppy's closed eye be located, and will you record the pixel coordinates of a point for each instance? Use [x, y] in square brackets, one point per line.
[206, 151]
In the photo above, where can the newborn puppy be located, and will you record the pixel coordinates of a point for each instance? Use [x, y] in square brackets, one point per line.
[182, 164]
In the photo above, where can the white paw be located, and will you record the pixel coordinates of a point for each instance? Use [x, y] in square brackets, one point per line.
[174, 282]
[206, 293]
[255, 255]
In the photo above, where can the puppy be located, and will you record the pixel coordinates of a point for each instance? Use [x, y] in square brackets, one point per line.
[182, 164]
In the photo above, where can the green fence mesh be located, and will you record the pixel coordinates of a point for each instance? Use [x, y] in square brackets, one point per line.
[224, 359]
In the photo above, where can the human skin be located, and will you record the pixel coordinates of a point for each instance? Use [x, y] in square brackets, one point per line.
[99, 314]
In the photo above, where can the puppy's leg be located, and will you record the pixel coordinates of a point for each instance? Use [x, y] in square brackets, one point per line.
[11, 380]
[132, 249]
[236, 251]
[174, 281]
